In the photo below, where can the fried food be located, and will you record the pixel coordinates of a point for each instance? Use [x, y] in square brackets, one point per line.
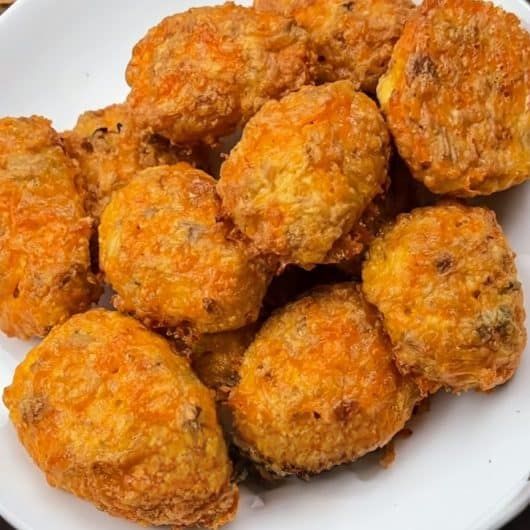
[318, 386]
[198, 75]
[456, 97]
[353, 40]
[44, 231]
[444, 278]
[217, 357]
[305, 170]
[111, 149]
[110, 413]
[171, 259]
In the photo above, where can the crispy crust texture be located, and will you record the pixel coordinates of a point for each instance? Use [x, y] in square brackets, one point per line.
[353, 40]
[305, 170]
[456, 97]
[199, 74]
[44, 240]
[148, 447]
[171, 259]
[318, 386]
[444, 278]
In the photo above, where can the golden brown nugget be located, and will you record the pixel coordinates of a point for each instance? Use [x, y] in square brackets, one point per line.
[111, 150]
[354, 40]
[110, 413]
[305, 170]
[456, 97]
[444, 278]
[44, 231]
[217, 358]
[171, 259]
[318, 386]
[198, 75]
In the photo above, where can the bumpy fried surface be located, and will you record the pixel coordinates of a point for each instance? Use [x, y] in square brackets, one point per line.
[171, 259]
[354, 40]
[305, 170]
[44, 232]
[456, 97]
[445, 280]
[198, 74]
[318, 386]
[111, 414]
[217, 357]
[111, 149]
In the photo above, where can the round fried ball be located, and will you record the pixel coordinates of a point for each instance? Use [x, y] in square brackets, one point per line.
[197, 75]
[354, 40]
[45, 269]
[456, 97]
[171, 259]
[318, 385]
[111, 149]
[445, 280]
[305, 170]
[113, 415]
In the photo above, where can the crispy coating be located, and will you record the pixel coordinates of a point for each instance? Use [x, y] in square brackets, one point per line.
[198, 75]
[354, 40]
[318, 386]
[111, 149]
[456, 97]
[445, 280]
[305, 170]
[44, 232]
[111, 414]
[217, 357]
[172, 260]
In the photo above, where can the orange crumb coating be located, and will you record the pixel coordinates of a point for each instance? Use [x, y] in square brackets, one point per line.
[172, 260]
[45, 273]
[456, 97]
[445, 281]
[112, 414]
[304, 171]
[318, 385]
[199, 74]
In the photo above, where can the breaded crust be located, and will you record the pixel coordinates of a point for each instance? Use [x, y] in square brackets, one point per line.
[112, 414]
[45, 265]
[318, 385]
[444, 278]
[456, 97]
[199, 74]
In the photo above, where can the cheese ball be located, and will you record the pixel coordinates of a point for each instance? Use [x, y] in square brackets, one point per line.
[110, 413]
[305, 170]
[110, 150]
[198, 75]
[318, 386]
[172, 261]
[456, 97]
[444, 278]
[353, 40]
[45, 269]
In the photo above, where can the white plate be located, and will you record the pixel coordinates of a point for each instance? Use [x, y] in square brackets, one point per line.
[467, 464]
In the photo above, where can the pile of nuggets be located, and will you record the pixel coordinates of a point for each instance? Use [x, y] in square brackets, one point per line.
[316, 289]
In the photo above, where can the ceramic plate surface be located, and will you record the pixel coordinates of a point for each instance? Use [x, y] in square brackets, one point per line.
[467, 464]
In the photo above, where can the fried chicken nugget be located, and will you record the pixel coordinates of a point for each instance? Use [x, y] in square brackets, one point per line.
[456, 97]
[111, 149]
[172, 260]
[444, 278]
[354, 40]
[110, 413]
[44, 232]
[318, 385]
[305, 170]
[198, 75]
